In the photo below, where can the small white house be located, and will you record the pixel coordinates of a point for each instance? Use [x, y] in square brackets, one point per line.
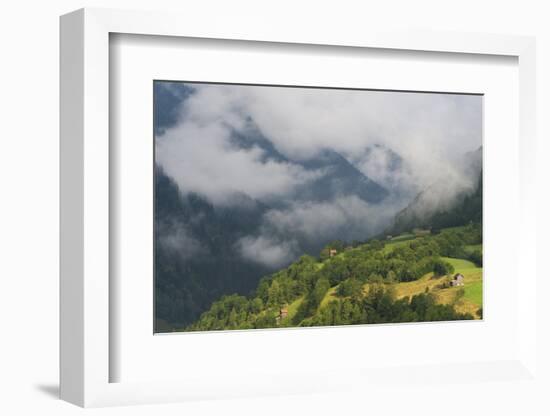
[457, 280]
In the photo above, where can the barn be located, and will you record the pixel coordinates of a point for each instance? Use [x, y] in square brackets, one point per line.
[457, 280]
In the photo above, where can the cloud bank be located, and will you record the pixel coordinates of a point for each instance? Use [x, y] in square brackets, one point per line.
[429, 132]
[176, 237]
[267, 251]
[200, 158]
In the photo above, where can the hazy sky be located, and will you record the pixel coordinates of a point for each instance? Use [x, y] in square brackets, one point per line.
[430, 132]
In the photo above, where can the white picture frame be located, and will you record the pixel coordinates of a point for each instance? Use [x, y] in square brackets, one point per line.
[85, 212]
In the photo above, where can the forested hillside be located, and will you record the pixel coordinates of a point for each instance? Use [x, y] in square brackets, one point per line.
[405, 279]
[195, 253]
[433, 209]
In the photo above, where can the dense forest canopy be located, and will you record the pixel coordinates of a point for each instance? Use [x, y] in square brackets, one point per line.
[363, 277]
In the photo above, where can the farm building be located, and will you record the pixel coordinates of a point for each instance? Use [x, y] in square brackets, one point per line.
[332, 252]
[457, 280]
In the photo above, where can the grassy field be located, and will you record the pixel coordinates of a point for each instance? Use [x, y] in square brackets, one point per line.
[474, 292]
[403, 237]
[394, 243]
[293, 307]
[418, 286]
[460, 264]
[331, 295]
[319, 266]
[389, 245]
[466, 299]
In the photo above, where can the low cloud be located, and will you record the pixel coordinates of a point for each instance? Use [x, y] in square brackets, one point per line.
[347, 217]
[386, 168]
[267, 251]
[428, 130]
[201, 158]
[176, 237]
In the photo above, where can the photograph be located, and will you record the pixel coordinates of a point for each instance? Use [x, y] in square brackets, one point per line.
[295, 206]
[244, 208]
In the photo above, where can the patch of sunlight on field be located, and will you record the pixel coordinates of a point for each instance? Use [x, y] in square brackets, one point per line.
[403, 237]
[293, 307]
[391, 245]
[418, 286]
[465, 299]
[465, 306]
[474, 292]
[460, 264]
[331, 295]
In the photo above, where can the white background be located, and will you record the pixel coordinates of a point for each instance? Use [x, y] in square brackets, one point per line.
[29, 207]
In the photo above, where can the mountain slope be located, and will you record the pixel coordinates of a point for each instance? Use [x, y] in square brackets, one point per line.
[340, 178]
[365, 284]
[337, 176]
[436, 207]
[387, 168]
[197, 256]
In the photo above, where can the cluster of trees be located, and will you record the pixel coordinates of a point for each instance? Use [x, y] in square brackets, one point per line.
[381, 306]
[305, 283]
[451, 241]
[378, 305]
[369, 263]
[477, 257]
